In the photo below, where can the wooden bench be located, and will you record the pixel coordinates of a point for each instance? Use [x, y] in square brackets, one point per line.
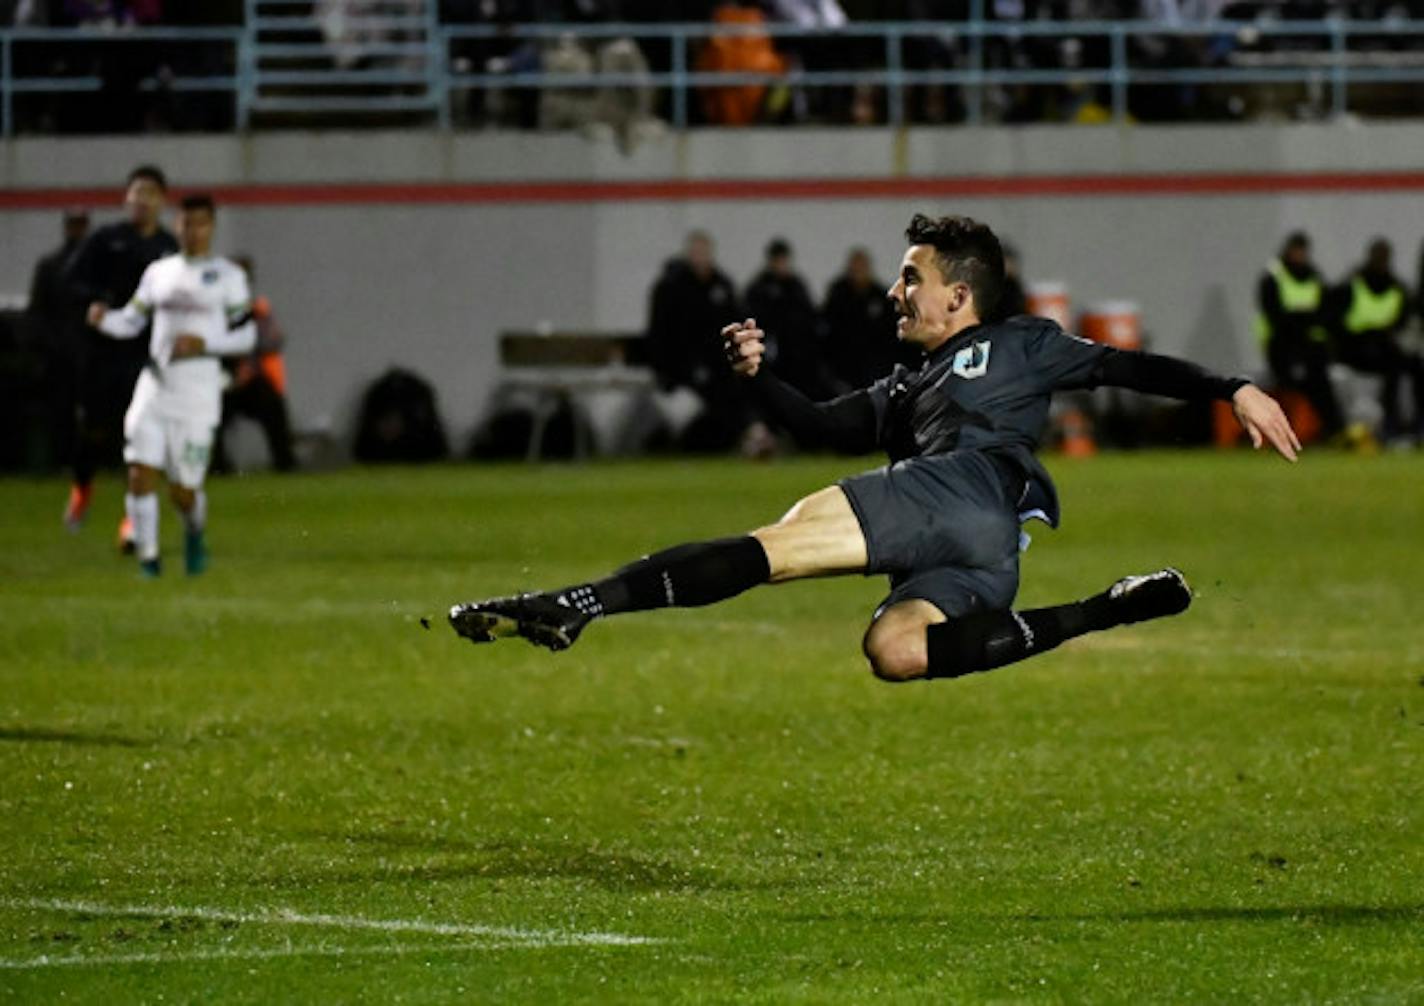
[555, 370]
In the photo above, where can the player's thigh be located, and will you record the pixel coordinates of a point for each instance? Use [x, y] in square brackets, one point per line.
[819, 536]
[145, 439]
[190, 446]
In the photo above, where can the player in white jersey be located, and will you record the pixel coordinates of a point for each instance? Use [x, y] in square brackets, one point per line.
[200, 309]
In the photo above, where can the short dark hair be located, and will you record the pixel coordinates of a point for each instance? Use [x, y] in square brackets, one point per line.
[152, 173]
[1296, 239]
[966, 251]
[778, 247]
[199, 201]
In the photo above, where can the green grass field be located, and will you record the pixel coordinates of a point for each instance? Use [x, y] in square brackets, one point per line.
[270, 785]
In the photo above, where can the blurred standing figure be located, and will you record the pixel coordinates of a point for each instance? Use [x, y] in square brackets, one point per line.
[1369, 312]
[1291, 327]
[860, 321]
[691, 299]
[259, 384]
[1014, 300]
[781, 304]
[201, 310]
[107, 267]
[62, 319]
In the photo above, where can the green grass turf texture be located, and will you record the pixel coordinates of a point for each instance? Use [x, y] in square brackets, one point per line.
[1225, 807]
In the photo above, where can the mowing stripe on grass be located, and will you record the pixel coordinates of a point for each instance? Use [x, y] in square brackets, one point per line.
[182, 957]
[287, 917]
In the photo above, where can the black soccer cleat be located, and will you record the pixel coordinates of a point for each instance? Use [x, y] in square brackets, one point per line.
[539, 618]
[1151, 595]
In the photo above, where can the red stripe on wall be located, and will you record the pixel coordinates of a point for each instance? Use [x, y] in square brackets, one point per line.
[1020, 186]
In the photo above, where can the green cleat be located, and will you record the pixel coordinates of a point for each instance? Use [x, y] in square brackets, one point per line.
[150, 569]
[195, 553]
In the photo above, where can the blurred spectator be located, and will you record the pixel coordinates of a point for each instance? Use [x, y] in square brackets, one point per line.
[861, 343]
[780, 302]
[106, 267]
[565, 107]
[1368, 313]
[625, 109]
[1291, 327]
[742, 52]
[97, 13]
[826, 51]
[352, 27]
[1012, 298]
[61, 321]
[691, 301]
[258, 387]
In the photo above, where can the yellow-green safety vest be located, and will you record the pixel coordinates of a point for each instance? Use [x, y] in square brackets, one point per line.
[1370, 310]
[1297, 296]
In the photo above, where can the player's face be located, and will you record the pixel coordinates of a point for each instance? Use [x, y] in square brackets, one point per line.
[144, 201]
[195, 231]
[929, 308]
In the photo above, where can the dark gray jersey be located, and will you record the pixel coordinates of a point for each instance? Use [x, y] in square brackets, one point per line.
[988, 387]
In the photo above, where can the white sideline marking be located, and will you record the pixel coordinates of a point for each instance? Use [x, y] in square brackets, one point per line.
[104, 960]
[287, 917]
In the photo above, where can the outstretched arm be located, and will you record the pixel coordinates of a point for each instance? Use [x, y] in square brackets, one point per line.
[1257, 411]
[848, 423]
[126, 323]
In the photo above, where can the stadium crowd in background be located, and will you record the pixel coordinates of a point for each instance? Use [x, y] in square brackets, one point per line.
[138, 74]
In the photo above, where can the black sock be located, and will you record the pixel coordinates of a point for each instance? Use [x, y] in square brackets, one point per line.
[989, 639]
[686, 576]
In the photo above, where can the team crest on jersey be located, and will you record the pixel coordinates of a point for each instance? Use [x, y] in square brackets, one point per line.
[971, 361]
[210, 276]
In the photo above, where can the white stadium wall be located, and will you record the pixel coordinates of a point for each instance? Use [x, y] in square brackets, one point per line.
[417, 249]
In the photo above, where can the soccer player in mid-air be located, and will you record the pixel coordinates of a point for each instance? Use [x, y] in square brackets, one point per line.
[943, 519]
[200, 310]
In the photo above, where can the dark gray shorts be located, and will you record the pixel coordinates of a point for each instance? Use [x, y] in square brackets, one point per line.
[944, 528]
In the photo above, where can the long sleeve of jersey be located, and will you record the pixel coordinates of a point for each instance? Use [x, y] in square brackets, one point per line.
[849, 424]
[239, 334]
[1164, 375]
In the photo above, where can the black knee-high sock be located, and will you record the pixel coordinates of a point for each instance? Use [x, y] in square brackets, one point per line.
[685, 576]
[989, 639]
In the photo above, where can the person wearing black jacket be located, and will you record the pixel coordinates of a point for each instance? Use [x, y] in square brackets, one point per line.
[860, 326]
[692, 296]
[62, 320]
[779, 297]
[1366, 315]
[1291, 325]
[943, 518]
[106, 268]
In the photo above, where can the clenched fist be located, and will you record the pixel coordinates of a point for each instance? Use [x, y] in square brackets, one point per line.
[744, 345]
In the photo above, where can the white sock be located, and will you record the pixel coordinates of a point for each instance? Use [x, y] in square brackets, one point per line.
[143, 511]
[196, 518]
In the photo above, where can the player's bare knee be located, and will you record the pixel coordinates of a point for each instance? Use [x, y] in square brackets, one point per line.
[182, 496]
[894, 654]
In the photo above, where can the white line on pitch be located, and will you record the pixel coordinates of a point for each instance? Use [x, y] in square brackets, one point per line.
[287, 917]
[180, 957]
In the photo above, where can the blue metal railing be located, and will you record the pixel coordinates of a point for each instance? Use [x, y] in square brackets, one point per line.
[428, 79]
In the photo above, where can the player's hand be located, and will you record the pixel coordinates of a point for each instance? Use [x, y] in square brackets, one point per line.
[744, 345]
[1264, 421]
[188, 346]
[96, 312]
